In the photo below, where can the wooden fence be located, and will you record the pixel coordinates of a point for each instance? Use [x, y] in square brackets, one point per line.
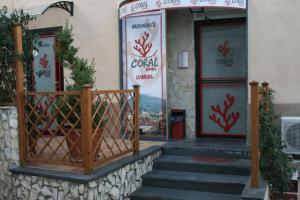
[256, 96]
[82, 129]
[79, 128]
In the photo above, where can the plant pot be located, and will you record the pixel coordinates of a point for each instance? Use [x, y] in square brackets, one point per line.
[76, 137]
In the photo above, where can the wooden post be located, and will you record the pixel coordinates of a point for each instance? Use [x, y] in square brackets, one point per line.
[86, 128]
[17, 30]
[136, 119]
[265, 86]
[254, 135]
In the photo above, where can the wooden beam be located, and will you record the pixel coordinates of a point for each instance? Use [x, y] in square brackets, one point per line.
[254, 135]
[17, 30]
[136, 109]
[86, 127]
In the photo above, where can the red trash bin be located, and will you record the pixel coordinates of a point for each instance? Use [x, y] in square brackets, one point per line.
[177, 124]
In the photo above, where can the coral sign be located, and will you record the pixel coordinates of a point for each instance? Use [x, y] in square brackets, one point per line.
[144, 63]
[151, 5]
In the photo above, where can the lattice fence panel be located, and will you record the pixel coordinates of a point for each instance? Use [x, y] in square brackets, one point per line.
[53, 127]
[113, 124]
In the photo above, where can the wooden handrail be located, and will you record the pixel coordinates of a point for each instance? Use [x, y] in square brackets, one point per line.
[17, 30]
[254, 134]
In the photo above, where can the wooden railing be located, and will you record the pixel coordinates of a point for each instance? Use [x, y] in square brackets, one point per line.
[80, 128]
[256, 96]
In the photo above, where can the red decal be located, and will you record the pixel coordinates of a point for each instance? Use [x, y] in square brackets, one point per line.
[44, 61]
[158, 3]
[143, 47]
[194, 2]
[229, 119]
[224, 49]
[228, 2]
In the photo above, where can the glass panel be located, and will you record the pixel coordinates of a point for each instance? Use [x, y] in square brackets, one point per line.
[224, 109]
[44, 64]
[224, 51]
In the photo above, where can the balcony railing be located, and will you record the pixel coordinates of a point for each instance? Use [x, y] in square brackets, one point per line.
[78, 129]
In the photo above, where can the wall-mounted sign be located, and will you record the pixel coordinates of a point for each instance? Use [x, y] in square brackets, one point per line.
[151, 5]
[44, 65]
[144, 63]
[182, 59]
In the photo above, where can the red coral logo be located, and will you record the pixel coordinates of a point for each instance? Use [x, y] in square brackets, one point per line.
[194, 2]
[44, 61]
[158, 3]
[229, 119]
[228, 2]
[225, 49]
[132, 8]
[143, 46]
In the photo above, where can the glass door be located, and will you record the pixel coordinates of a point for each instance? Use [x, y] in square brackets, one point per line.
[223, 80]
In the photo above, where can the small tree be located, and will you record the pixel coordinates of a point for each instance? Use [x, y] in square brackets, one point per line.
[82, 71]
[273, 162]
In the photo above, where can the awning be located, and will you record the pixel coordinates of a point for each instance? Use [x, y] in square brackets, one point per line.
[34, 7]
[152, 5]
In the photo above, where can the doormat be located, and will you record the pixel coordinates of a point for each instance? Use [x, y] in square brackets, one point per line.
[214, 159]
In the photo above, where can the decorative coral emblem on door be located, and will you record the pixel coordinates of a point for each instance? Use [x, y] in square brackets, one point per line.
[224, 49]
[226, 120]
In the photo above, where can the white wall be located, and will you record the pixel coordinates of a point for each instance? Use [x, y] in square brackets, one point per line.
[96, 32]
[274, 53]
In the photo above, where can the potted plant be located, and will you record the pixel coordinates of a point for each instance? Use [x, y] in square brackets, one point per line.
[82, 73]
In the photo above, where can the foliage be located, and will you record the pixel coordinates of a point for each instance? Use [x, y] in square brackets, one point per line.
[7, 54]
[273, 162]
[82, 71]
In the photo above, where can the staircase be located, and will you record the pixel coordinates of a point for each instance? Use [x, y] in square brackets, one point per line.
[195, 174]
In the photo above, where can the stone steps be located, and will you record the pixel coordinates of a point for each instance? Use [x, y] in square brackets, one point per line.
[155, 193]
[195, 174]
[194, 164]
[208, 182]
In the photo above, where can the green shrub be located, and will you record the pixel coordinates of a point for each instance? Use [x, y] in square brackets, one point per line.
[82, 72]
[8, 56]
[273, 162]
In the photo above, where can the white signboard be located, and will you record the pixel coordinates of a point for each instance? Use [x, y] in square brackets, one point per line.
[151, 5]
[182, 59]
[144, 63]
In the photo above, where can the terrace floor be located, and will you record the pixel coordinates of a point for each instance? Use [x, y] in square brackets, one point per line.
[41, 143]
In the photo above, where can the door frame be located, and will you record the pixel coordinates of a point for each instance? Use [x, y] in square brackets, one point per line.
[59, 72]
[198, 58]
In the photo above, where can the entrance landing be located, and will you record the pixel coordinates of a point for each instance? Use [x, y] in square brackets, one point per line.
[211, 144]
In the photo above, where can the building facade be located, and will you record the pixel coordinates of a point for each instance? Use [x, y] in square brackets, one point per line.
[224, 50]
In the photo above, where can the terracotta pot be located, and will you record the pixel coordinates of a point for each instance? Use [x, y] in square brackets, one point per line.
[76, 151]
